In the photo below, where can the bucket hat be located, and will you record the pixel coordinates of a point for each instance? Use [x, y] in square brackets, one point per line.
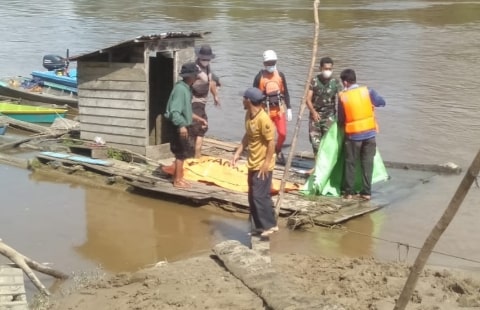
[189, 69]
[204, 52]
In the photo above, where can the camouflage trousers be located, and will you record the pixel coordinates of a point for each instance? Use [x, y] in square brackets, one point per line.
[316, 130]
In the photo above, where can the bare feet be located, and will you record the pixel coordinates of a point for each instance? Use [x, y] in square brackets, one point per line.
[268, 232]
[182, 184]
[170, 170]
[365, 197]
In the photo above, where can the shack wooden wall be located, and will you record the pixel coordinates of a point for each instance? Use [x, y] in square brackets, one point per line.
[112, 103]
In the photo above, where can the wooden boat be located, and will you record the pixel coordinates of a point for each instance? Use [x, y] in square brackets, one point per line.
[28, 113]
[35, 91]
[3, 129]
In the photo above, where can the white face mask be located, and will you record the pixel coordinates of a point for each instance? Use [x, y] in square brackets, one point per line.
[271, 69]
[204, 63]
[327, 74]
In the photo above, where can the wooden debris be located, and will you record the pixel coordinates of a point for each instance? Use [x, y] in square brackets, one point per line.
[24, 125]
[447, 168]
[14, 161]
[257, 273]
[16, 143]
[26, 264]
[12, 289]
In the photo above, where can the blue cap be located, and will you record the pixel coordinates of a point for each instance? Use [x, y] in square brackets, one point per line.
[254, 94]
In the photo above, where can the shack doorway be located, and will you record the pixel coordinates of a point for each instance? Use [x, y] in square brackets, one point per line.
[161, 81]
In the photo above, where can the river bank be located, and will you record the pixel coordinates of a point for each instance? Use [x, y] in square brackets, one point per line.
[305, 282]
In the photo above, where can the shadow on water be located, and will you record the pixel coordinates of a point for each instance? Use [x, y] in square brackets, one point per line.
[124, 232]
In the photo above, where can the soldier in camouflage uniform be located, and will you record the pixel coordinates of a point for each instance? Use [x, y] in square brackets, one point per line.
[322, 102]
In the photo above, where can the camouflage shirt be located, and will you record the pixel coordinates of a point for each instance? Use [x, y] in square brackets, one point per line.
[324, 95]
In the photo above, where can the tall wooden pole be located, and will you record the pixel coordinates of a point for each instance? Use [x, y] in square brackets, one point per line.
[437, 231]
[303, 104]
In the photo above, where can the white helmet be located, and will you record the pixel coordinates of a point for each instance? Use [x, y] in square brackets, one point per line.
[269, 55]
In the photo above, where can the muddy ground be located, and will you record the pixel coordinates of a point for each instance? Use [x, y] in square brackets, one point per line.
[334, 283]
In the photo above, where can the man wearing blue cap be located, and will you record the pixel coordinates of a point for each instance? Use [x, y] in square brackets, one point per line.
[260, 139]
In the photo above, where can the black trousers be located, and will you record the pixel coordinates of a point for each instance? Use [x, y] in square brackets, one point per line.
[363, 151]
[260, 200]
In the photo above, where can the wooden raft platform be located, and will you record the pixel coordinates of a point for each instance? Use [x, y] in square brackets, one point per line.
[300, 209]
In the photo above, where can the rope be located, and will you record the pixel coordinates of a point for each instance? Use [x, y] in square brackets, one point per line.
[407, 246]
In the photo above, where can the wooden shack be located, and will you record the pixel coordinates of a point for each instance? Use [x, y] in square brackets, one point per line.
[123, 90]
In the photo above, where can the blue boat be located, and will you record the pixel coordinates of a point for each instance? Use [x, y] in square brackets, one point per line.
[58, 78]
[57, 86]
[59, 75]
[34, 91]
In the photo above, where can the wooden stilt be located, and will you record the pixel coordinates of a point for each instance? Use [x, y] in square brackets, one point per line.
[303, 104]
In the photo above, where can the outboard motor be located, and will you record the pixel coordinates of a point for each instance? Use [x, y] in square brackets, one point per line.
[54, 62]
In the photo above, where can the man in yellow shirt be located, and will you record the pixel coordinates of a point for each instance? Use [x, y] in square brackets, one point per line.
[260, 139]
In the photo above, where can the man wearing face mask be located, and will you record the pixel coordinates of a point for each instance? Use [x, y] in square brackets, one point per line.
[204, 84]
[322, 102]
[274, 86]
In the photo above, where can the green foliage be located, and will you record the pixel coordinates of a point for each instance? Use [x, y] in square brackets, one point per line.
[118, 155]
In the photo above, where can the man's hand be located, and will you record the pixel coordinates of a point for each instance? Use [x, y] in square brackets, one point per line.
[204, 123]
[316, 116]
[289, 115]
[216, 101]
[262, 172]
[235, 158]
[183, 132]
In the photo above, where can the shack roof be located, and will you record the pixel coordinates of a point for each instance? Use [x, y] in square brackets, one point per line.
[141, 39]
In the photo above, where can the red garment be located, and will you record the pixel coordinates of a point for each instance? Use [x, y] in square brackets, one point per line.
[277, 115]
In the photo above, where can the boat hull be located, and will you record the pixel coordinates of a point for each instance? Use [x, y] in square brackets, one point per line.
[12, 88]
[36, 118]
[59, 80]
[32, 114]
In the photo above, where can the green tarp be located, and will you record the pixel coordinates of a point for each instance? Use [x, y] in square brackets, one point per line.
[327, 177]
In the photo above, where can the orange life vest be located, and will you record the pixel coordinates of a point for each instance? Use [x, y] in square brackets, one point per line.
[271, 85]
[358, 107]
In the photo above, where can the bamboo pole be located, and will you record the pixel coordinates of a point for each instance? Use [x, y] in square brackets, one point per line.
[437, 231]
[303, 104]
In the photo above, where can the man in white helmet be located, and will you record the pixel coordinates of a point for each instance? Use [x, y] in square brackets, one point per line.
[274, 86]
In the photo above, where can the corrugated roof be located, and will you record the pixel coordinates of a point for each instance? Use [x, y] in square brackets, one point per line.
[143, 39]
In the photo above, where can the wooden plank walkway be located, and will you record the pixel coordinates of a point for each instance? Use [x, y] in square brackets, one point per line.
[12, 289]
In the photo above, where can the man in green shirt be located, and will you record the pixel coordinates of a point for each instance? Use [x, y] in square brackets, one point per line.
[179, 113]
